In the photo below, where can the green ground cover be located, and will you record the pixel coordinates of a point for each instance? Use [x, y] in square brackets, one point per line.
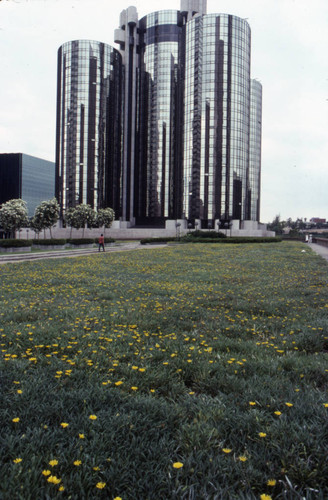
[188, 372]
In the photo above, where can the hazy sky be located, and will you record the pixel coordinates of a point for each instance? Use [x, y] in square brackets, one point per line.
[289, 57]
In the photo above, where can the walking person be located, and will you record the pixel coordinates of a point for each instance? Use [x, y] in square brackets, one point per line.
[101, 243]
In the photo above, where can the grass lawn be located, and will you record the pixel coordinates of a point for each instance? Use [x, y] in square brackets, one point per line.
[188, 372]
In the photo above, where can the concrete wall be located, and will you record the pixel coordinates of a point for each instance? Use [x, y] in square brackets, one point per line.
[243, 228]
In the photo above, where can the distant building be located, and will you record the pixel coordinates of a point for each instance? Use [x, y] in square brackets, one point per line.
[27, 177]
[317, 220]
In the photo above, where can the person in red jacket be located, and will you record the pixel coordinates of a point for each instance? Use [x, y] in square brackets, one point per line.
[101, 242]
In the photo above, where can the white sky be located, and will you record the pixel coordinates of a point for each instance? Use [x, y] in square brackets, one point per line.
[289, 57]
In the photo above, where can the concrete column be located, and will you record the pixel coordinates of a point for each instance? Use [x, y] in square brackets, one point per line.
[190, 8]
[128, 39]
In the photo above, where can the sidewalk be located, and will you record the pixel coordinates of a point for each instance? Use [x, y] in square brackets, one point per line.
[56, 254]
[319, 249]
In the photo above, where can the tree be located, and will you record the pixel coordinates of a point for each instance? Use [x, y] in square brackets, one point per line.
[277, 225]
[72, 220]
[35, 226]
[80, 216]
[13, 215]
[47, 214]
[105, 217]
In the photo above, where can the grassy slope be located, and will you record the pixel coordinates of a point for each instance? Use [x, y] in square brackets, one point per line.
[211, 356]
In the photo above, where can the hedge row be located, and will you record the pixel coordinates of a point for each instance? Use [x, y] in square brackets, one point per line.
[164, 239]
[206, 234]
[188, 239]
[13, 243]
[236, 239]
[50, 242]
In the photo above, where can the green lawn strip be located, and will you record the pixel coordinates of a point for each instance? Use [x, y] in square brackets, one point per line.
[214, 357]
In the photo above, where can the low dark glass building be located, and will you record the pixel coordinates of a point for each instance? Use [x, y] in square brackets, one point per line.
[26, 177]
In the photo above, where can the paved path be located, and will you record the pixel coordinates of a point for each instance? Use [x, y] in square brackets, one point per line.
[118, 247]
[55, 254]
[319, 249]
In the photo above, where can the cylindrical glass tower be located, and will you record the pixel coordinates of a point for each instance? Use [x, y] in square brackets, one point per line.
[159, 37]
[89, 132]
[216, 118]
[254, 185]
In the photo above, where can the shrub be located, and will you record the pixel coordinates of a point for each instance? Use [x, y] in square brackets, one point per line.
[11, 243]
[241, 239]
[252, 239]
[81, 241]
[164, 239]
[49, 242]
[206, 234]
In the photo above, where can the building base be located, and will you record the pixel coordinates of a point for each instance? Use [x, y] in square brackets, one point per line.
[125, 230]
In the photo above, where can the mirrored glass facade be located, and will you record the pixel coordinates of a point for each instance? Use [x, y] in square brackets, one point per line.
[216, 118]
[166, 127]
[88, 135]
[159, 38]
[255, 139]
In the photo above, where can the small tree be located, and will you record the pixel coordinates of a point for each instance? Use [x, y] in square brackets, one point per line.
[47, 214]
[13, 215]
[80, 216]
[35, 226]
[72, 220]
[105, 217]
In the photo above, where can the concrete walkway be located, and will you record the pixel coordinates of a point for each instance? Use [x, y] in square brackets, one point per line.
[56, 254]
[118, 247]
[319, 249]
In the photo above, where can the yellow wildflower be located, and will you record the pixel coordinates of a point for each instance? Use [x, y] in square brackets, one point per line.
[17, 460]
[177, 465]
[100, 486]
[53, 480]
[271, 482]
